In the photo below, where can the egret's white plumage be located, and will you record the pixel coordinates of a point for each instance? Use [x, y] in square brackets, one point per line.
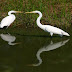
[8, 19]
[49, 28]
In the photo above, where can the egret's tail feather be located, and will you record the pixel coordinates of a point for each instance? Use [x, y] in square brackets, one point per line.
[65, 33]
[0, 25]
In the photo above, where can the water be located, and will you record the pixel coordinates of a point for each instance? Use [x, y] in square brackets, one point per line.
[32, 51]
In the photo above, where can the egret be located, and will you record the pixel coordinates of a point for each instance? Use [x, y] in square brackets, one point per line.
[48, 28]
[8, 19]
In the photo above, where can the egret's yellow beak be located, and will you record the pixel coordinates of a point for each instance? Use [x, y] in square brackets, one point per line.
[19, 12]
[29, 12]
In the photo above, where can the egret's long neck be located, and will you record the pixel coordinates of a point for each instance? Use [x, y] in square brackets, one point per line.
[38, 20]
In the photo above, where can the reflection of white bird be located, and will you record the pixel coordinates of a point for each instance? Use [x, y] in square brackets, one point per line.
[50, 47]
[48, 28]
[8, 19]
[9, 38]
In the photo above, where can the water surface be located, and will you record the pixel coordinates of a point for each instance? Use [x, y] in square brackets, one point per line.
[34, 51]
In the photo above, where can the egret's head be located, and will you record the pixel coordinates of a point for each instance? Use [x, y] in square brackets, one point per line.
[33, 12]
[12, 11]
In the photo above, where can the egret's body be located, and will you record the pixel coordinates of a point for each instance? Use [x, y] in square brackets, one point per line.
[8, 19]
[48, 28]
[5, 21]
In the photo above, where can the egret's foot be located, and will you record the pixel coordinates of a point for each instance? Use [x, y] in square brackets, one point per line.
[51, 37]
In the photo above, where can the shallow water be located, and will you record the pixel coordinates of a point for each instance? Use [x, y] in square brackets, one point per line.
[34, 52]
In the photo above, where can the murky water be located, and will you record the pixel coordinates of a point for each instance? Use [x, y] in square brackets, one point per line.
[34, 53]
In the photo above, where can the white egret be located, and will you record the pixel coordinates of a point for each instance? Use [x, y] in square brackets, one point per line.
[48, 28]
[8, 19]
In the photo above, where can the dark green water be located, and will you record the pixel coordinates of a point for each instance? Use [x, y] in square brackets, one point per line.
[36, 51]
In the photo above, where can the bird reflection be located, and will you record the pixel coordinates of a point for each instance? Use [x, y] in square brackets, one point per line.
[9, 38]
[49, 47]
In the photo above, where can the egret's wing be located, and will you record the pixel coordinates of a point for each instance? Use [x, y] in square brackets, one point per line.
[52, 29]
[7, 20]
